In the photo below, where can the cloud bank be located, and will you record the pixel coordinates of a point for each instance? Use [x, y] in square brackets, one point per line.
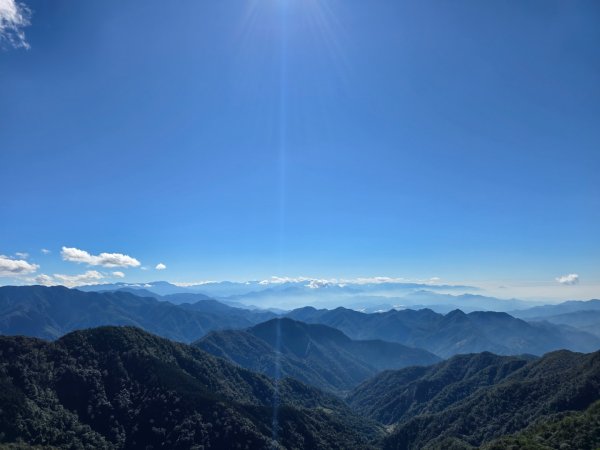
[73, 254]
[14, 17]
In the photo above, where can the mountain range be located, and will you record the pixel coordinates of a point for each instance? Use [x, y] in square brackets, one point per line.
[365, 296]
[50, 312]
[453, 333]
[474, 400]
[306, 378]
[120, 387]
[116, 387]
[538, 312]
[315, 354]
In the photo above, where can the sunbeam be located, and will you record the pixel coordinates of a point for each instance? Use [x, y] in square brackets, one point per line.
[278, 33]
[283, 86]
[277, 377]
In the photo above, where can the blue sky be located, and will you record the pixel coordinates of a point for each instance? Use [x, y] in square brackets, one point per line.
[246, 139]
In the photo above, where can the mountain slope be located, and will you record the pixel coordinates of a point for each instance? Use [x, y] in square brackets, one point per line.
[50, 312]
[315, 354]
[120, 387]
[566, 431]
[453, 333]
[394, 396]
[497, 399]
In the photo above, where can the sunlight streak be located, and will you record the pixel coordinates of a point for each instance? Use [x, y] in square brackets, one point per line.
[277, 377]
[282, 128]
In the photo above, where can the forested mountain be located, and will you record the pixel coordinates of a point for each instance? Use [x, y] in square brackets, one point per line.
[564, 431]
[50, 312]
[453, 333]
[316, 354]
[394, 396]
[473, 399]
[120, 387]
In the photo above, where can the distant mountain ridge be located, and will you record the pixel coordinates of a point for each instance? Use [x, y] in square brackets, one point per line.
[559, 308]
[586, 320]
[453, 333]
[289, 294]
[367, 297]
[583, 315]
[315, 354]
[50, 312]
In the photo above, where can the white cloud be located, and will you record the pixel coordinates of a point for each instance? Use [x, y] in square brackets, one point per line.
[569, 279]
[15, 267]
[14, 17]
[317, 284]
[281, 280]
[89, 277]
[194, 283]
[375, 280]
[160, 266]
[118, 274]
[45, 251]
[22, 255]
[103, 259]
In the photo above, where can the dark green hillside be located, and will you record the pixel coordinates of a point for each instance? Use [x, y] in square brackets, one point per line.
[566, 431]
[559, 382]
[50, 312]
[398, 395]
[315, 354]
[117, 387]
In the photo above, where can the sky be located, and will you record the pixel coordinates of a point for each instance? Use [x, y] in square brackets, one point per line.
[240, 140]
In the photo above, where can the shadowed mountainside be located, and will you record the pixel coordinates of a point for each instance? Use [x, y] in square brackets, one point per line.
[473, 399]
[315, 354]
